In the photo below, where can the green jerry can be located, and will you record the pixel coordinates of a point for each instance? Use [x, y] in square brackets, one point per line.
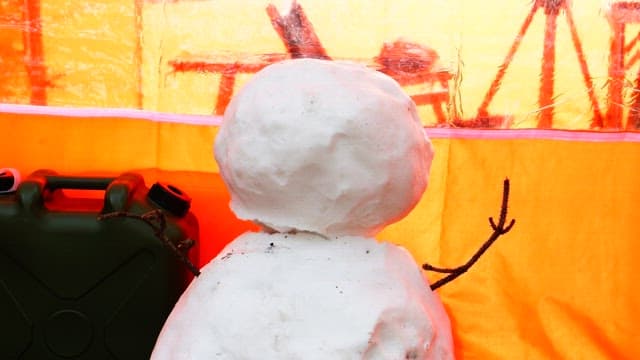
[78, 282]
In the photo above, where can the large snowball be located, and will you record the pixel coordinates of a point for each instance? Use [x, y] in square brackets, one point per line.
[301, 296]
[328, 147]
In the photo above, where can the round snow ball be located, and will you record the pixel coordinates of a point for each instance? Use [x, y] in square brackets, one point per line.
[328, 147]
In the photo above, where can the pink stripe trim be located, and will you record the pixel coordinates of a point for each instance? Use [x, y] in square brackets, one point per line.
[511, 134]
[434, 133]
[210, 120]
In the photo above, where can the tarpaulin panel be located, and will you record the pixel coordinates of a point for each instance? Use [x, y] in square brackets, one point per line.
[559, 285]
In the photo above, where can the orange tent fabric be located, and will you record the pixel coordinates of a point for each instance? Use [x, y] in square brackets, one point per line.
[558, 286]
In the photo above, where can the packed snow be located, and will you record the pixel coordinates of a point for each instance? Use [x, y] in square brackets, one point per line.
[303, 296]
[328, 147]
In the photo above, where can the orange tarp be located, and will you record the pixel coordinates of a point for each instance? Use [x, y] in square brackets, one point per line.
[560, 285]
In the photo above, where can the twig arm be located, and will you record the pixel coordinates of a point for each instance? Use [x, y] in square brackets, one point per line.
[158, 222]
[498, 230]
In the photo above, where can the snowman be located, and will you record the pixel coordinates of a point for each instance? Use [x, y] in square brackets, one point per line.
[322, 155]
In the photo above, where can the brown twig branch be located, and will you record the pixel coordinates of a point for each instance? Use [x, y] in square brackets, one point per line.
[158, 222]
[498, 230]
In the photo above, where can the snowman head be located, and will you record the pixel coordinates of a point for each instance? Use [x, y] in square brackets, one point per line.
[321, 146]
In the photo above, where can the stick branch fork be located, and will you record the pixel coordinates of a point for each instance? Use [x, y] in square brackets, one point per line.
[499, 229]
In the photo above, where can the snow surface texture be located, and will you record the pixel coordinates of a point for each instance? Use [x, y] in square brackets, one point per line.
[328, 147]
[303, 296]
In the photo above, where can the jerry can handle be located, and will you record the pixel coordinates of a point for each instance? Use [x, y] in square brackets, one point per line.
[118, 191]
[78, 183]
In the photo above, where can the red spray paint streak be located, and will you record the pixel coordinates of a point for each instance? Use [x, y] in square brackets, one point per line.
[228, 68]
[545, 99]
[621, 14]
[34, 59]
[502, 69]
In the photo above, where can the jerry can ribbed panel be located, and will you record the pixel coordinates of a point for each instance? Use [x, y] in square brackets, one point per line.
[73, 286]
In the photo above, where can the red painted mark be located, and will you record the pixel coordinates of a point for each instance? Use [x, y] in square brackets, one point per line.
[34, 61]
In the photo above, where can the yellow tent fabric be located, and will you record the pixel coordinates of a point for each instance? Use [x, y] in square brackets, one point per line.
[178, 56]
[560, 285]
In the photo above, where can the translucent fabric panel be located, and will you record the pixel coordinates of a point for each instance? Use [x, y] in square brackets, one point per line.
[488, 64]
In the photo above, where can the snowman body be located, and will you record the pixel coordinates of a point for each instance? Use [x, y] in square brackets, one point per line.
[303, 296]
[323, 155]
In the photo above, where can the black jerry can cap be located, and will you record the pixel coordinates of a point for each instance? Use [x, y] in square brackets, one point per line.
[170, 198]
[7, 181]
